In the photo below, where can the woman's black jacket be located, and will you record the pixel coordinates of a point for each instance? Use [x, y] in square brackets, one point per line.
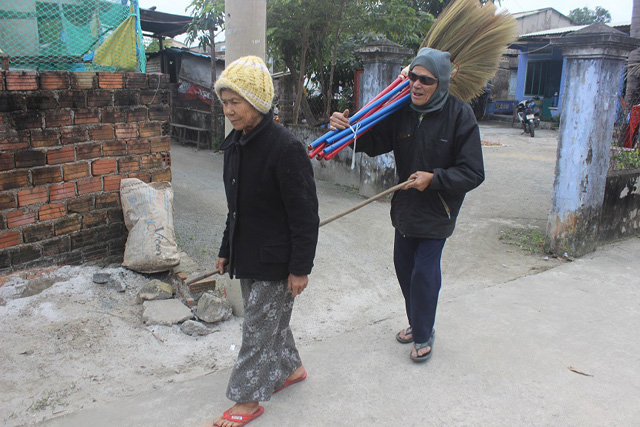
[272, 224]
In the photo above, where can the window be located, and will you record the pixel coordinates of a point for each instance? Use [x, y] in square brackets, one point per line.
[543, 78]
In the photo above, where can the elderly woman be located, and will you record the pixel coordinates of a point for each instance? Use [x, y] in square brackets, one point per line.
[270, 238]
[436, 142]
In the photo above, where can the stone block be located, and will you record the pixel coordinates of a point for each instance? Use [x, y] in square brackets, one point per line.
[155, 290]
[165, 312]
[213, 309]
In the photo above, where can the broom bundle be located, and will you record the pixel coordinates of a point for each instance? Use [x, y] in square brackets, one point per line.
[475, 37]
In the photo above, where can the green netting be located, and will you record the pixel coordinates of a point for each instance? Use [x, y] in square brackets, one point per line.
[72, 35]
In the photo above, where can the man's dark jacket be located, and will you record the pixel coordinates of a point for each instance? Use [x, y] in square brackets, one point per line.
[272, 224]
[444, 142]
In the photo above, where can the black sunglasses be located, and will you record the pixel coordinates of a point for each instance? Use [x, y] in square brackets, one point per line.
[425, 80]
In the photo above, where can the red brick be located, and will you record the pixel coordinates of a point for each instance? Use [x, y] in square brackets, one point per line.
[62, 155]
[88, 151]
[124, 131]
[41, 100]
[93, 219]
[30, 158]
[160, 112]
[47, 175]
[112, 115]
[33, 196]
[84, 80]
[129, 164]
[136, 81]
[52, 211]
[126, 98]
[62, 191]
[160, 144]
[12, 101]
[27, 119]
[138, 147]
[107, 201]
[99, 98]
[101, 132]
[152, 161]
[81, 204]
[13, 140]
[107, 80]
[14, 179]
[143, 176]
[73, 135]
[90, 185]
[68, 225]
[112, 182]
[137, 114]
[114, 148]
[37, 233]
[57, 118]
[6, 161]
[150, 130]
[86, 115]
[19, 218]
[72, 99]
[54, 80]
[21, 80]
[161, 175]
[45, 137]
[9, 238]
[76, 170]
[152, 97]
[104, 167]
[158, 81]
[7, 201]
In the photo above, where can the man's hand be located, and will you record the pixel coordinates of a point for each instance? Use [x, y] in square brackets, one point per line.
[297, 284]
[339, 121]
[422, 180]
[222, 264]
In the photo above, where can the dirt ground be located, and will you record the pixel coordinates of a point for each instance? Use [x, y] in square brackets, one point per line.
[69, 343]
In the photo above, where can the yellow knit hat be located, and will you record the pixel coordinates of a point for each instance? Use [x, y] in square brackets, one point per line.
[250, 78]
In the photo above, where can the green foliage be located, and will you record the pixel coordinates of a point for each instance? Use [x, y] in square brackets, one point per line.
[152, 47]
[527, 239]
[586, 16]
[208, 21]
[625, 159]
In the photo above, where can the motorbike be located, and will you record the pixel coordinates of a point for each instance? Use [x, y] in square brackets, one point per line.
[529, 116]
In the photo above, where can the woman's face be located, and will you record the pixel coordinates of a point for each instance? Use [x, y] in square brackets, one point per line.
[242, 115]
[421, 93]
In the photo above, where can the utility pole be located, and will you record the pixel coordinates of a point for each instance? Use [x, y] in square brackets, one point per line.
[245, 31]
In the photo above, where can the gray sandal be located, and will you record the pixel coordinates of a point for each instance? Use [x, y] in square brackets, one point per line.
[420, 346]
[406, 333]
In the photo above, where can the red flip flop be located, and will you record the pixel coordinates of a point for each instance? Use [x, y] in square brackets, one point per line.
[287, 383]
[242, 419]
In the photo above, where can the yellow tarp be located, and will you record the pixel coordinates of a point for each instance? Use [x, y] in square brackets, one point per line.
[119, 49]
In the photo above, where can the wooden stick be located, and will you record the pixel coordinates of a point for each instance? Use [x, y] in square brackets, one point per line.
[366, 202]
[201, 276]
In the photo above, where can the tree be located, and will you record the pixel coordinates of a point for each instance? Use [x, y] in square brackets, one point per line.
[207, 23]
[586, 16]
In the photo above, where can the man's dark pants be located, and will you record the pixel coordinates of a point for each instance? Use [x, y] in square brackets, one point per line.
[417, 263]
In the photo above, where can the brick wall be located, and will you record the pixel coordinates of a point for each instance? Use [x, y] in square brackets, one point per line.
[66, 141]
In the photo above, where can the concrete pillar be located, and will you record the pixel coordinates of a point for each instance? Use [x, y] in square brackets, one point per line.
[245, 31]
[382, 64]
[595, 58]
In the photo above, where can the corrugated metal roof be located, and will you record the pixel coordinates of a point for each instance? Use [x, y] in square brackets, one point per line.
[566, 30]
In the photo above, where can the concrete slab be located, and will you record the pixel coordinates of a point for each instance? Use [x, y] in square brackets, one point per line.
[504, 355]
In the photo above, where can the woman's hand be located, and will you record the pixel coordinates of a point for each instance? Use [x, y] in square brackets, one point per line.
[222, 264]
[297, 284]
